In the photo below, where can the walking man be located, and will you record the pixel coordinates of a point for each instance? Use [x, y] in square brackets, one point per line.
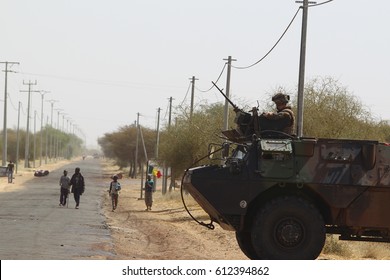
[10, 171]
[65, 188]
[78, 185]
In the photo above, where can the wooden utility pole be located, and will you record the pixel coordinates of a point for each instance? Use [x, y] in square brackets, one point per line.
[158, 132]
[17, 140]
[170, 112]
[51, 136]
[302, 62]
[27, 147]
[136, 149]
[165, 167]
[41, 136]
[227, 93]
[192, 95]
[5, 138]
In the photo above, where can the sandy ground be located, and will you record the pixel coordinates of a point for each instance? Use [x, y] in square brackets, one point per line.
[167, 232]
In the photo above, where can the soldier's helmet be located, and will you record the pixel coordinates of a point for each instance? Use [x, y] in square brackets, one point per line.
[280, 97]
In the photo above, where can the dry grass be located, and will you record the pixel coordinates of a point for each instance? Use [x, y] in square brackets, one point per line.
[358, 250]
[333, 246]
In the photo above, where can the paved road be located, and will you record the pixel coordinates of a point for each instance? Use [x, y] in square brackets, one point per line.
[33, 226]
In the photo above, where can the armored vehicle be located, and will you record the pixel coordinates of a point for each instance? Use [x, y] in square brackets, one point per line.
[282, 194]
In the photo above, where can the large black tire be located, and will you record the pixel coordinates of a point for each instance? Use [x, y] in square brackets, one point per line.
[244, 240]
[288, 228]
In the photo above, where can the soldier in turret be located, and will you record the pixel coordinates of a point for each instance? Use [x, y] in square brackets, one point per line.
[283, 118]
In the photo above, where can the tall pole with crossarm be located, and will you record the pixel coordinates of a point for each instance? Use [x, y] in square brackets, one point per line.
[27, 148]
[5, 149]
[302, 61]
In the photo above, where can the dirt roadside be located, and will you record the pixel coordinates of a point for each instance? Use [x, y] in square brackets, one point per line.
[167, 232]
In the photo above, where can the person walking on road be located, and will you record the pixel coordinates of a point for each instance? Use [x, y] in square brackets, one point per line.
[115, 187]
[10, 171]
[65, 188]
[149, 193]
[78, 186]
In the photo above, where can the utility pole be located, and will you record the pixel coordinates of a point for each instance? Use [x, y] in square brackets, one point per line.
[57, 139]
[51, 137]
[158, 132]
[136, 149]
[17, 140]
[226, 109]
[62, 146]
[165, 167]
[192, 95]
[302, 62]
[5, 149]
[164, 187]
[27, 148]
[46, 138]
[170, 112]
[35, 137]
[41, 142]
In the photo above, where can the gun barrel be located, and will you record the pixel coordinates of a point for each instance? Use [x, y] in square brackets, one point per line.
[224, 95]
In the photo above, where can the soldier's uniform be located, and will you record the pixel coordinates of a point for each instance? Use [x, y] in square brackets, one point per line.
[284, 117]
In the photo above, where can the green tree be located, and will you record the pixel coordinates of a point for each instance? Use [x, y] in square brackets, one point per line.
[121, 146]
[187, 141]
[331, 111]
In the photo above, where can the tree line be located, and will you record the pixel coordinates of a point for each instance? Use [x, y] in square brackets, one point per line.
[330, 111]
[47, 144]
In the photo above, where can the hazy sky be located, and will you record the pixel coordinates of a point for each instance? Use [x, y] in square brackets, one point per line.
[104, 61]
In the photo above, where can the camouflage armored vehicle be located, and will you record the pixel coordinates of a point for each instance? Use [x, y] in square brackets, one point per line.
[282, 194]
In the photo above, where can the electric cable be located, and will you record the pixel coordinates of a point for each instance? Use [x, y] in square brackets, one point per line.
[209, 225]
[223, 70]
[274, 46]
[319, 4]
[185, 97]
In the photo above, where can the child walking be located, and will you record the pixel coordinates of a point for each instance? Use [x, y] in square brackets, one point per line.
[115, 187]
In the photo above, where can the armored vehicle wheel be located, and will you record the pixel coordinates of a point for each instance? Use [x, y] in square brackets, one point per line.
[244, 240]
[288, 228]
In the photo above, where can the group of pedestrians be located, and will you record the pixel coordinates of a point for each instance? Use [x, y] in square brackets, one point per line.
[75, 185]
[115, 187]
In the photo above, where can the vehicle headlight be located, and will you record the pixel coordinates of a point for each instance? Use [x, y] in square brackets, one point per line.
[187, 177]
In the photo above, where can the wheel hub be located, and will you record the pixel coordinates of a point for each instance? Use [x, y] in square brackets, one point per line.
[289, 233]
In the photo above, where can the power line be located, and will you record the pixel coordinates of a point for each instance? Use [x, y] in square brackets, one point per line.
[220, 74]
[185, 97]
[125, 84]
[319, 4]
[274, 46]
[277, 42]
